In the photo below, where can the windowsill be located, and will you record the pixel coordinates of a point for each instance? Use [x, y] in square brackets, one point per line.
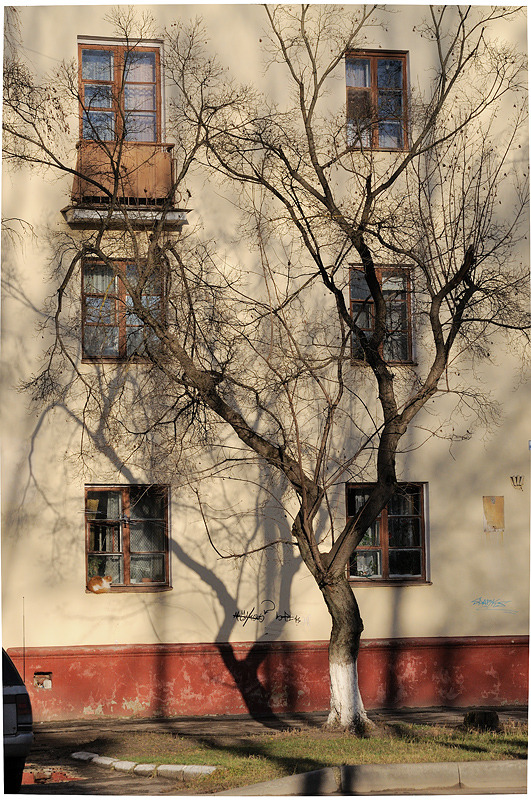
[128, 589]
[389, 582]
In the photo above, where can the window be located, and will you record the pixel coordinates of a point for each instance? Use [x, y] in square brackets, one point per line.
[376, 100]
[393, 549]
[395, 283]
[126, 535]
[111, 329]
[120, 93]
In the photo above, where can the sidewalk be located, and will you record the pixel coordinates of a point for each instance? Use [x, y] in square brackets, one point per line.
[243, 725]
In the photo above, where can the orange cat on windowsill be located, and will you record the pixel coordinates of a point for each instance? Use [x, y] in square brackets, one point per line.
[97, 584]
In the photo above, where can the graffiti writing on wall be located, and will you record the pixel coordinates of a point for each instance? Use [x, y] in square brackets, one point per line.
[493, 604]
[267, 612]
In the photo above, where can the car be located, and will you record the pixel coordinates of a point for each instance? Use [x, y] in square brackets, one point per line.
[18, 725]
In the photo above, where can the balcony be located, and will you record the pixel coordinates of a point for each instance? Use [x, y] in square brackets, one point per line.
[144, 188]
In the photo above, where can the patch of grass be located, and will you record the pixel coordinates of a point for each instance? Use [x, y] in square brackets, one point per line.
[273, 755]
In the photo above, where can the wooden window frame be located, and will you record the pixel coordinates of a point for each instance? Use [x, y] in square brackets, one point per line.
[119, 297]
[119, 53]
[357, 303]
[371, 100]
[383, 521]
[123, 523]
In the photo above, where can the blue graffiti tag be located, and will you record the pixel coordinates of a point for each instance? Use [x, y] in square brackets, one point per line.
[493, 603]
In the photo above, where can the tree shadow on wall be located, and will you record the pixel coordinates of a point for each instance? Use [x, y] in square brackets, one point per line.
[248, 663]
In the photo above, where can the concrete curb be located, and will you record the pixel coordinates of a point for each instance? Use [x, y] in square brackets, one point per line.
[320, 781]
[177, 772]
[397, 778]
[358, 779]
[494, 774]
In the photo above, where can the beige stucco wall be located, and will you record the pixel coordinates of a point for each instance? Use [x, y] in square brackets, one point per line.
[43, 562]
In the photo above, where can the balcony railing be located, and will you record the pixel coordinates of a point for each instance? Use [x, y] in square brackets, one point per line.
[142, 173]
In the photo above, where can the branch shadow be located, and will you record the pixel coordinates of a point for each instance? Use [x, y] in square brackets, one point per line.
[248, 663]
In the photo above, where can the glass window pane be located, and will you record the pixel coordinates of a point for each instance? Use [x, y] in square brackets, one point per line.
[132, 319]
[147, 502]
[358, 72]
[106, 565]
[150, 302]
[359, 109]
[135, 341]
[404, 531]
[101, 341]
[148, 569]
[141, 128]
[396, 347]
[131, 272]
[359, 118]
[147, 536]
[99, 310]
[362, 315]
[372, 536]
[359, 289]
[405, 501]
[389, 73]
[390, 134]
[390, 105]
[104, 504]
[396, 317]
[105, 538]
[140, 98]
[366, 565]
[139, 340]
[140, 67]
[403, 563]
[358, 135]
[98, 125]
[151, 281]
[98, 279]
[393, 285]
[97, 65]
[97, 96]
[137, 334]
[356, 499]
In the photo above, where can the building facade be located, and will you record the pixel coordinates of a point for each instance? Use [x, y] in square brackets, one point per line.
[115, 601]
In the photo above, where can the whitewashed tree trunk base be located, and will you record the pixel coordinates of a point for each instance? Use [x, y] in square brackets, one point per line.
[346, 706]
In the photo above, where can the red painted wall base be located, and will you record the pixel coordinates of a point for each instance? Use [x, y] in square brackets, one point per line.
[203, 679]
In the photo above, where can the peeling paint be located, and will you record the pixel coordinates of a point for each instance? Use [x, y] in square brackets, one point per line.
[96, 711]
[136, 706]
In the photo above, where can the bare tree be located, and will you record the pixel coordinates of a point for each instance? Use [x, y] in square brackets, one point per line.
[274, 369]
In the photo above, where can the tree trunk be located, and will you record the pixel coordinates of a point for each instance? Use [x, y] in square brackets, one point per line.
[346, 706]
